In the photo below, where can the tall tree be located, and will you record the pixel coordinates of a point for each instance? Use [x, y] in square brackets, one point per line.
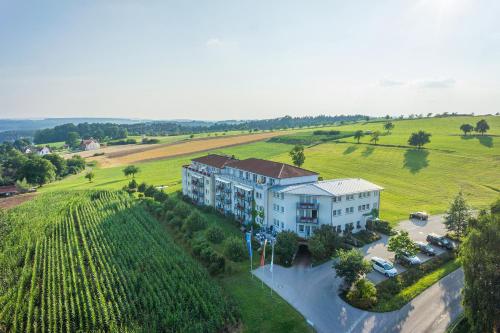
[458, 216]
[130, 170]
[402, 243]
[389, 126]
[479, 258]
[351, 265]
[482, 126]
[466, 128]
[73, 139]
[59, 162]
[286, 246]
[375, 136]
[419, 139]
[297, 155]
[359, 134]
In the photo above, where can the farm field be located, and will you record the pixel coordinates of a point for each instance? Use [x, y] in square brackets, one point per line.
[425, 179]
[97, 261]
[127, 154]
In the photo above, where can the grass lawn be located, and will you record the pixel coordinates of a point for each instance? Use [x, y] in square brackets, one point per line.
[413, 179]
[412, 291]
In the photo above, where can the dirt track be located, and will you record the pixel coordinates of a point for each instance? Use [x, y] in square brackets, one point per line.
[6, 203]
[120, 155]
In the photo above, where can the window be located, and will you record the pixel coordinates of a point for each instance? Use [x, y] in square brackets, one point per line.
[282, 209]
[361, 195]
[282, 196]
[241, 174]
[263, 180]
[349, 197]
[358, 224]
[339, 229]
[367, 206]
[301, 228]
[337, 199]
[254, 177]
[282, 225]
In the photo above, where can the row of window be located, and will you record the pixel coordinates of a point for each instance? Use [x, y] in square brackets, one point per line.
[363, 207]
[338, 228]
[278, 208]
[277, 223]
[250, 176]
[338, 212]
[278, 195]
[351, 196]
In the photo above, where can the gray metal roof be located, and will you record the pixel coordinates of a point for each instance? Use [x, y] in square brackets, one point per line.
[332, 187]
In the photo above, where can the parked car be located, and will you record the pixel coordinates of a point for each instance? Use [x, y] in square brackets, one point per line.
[384, 266]
[426, 248]
[422, 216]
[440, 241]
[409, 260]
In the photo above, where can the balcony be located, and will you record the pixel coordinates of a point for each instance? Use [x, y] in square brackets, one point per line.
[201, 172]
[306, 219]
[307, 205]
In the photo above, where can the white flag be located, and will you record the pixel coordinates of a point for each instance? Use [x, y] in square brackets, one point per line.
[272, 257]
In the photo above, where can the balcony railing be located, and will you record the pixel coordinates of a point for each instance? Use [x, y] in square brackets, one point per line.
[306, 219]
[307, 205]
[201, 172]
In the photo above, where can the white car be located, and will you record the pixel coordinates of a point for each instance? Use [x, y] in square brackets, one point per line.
[384, 266]
[411, 260]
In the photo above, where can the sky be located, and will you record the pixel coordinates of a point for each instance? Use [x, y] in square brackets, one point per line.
[235, 59]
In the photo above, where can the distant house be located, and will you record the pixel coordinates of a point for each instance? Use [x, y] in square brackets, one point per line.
[39, 150]
[90, 144]
[7, 191]
[43, 151]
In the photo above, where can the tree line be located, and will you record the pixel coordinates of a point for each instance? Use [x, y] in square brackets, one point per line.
[111, 131]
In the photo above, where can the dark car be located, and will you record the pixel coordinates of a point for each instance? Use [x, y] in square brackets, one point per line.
[440, 241]
[422, 216]
[425, 248]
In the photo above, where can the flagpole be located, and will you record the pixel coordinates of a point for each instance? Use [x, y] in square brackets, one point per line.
[272, 268]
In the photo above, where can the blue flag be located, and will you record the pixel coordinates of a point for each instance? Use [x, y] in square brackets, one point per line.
[248, 237]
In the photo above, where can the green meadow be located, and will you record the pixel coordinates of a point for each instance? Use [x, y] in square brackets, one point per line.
[425, 179]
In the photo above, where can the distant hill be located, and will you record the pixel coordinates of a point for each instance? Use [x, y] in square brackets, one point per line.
[35, 124]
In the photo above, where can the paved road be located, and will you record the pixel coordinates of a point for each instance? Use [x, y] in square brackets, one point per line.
[313, 292]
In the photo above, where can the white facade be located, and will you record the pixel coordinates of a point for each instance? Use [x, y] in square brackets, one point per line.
[90, 144]
[298, 203]
[44, 151]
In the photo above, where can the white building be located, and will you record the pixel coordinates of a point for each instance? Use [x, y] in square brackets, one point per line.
[90, 144]
[278, 195]
[44, 151]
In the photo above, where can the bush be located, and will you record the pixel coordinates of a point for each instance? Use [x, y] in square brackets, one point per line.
[215, 234]
[286, 247]
[380, 226]
[150, 191]
[367, 236]
[181, 210]
[363, 295]
[142, 187]
[176, 222]
[194, 223]
[234, 249]
[132, 184]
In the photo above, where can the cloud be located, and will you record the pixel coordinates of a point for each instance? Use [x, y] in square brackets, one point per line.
[214, 42]
[391, 83]
[436, 83]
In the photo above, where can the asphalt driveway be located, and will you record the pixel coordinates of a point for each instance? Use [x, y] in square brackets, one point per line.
[314, 293]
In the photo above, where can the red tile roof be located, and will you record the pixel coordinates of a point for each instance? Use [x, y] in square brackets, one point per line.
[270, 169]
[217, 161]
[8, 189]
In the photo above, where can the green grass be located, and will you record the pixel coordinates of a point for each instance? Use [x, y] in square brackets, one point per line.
[424, 179]
[412, 291]
[309, 138]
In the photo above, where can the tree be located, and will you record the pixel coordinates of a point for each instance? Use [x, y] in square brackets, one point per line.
[375, 136]
[466, 128]
[297, 155]
[73, 139]
[458, 216]
[286, 246]
[38, 171]
[59, 162]
[419, 139]
[130, 170]
[351, 265]
[389, 126]
[90, 175]
[482, 126]
[479, 258]
[22, 186]
[402, 244]
[359, 134]
[495, 207]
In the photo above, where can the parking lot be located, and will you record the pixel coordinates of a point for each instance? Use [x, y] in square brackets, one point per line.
[418, 231]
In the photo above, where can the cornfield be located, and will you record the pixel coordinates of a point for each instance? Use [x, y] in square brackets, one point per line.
[97, 261]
